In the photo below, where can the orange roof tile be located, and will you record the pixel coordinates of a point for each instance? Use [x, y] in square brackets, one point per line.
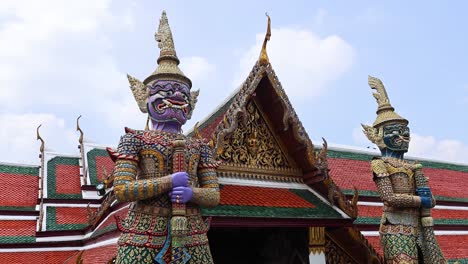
[35, 257]
[260, 196]
[24, 192]
[103, 162]
[17, 227]
[68, 179]
[72, 215]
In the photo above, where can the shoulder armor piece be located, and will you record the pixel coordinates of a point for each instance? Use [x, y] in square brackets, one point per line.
[378, 167]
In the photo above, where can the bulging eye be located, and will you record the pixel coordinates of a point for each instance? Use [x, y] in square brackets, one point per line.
[165, 93]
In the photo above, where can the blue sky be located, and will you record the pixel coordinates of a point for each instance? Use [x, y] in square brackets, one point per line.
[60, 59]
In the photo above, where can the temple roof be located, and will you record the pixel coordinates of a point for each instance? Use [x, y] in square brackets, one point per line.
[351, 168]
[267, 202]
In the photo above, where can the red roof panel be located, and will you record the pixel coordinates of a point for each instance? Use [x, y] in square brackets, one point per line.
[36, 257]
[259, 196]
[72, 215]
[68, 179]
[348, 173]
[17, 228]
[448, 182]
[24, 196]
[376, 211]
[103, 162]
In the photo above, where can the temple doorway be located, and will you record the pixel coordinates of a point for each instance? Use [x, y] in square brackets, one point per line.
[249, 245]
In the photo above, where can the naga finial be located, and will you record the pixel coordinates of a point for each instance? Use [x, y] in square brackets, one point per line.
[38, 136]
[78, 128]
[196, 132]
[263, 54]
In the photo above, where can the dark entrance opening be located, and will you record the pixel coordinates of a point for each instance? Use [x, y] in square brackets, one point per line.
[247, 245]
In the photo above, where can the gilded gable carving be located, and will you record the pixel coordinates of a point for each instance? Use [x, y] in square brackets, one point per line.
[252, 143]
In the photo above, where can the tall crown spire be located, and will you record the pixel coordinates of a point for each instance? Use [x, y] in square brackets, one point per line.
[263, 59]
[385, 111]
[168, 61]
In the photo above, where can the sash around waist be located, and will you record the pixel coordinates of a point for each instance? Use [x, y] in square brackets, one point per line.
[160, 211]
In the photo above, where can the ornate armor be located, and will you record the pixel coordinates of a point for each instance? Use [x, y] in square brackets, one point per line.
[406, 227]
[399, 226]
[142, 175]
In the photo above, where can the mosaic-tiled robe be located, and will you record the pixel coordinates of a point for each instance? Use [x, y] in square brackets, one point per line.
[400, 227]
[142, 175]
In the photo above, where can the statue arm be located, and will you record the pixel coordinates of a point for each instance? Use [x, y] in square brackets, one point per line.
[422, 187]
[207, 195]
[126, 186]
[385, 189]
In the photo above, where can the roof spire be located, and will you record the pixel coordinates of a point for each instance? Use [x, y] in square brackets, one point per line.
[263, 59]
[168, 61]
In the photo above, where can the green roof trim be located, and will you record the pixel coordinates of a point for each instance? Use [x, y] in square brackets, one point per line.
[361, 192]
[376, 194]
[368, 157]
[51, 177]
[17, 239]
[437, 221]
[52, 225]
[33, 171]
[18, 208]
[460, 261]
[91, 155]
[106, 229]
[321, 210]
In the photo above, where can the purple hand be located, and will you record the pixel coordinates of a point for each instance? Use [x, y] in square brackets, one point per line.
[179, 179]
[181, 194]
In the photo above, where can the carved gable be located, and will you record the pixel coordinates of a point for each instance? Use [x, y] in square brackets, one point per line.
[254, 147]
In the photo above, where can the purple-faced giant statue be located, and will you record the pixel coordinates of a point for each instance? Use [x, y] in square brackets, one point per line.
[165, 175]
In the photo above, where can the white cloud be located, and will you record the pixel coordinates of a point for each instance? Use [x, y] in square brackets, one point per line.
[360, 139]
[18, 139]
[441, 149]
[305, 63]
[41, 42]
[197, 68]
[427, 147]
[56, 57]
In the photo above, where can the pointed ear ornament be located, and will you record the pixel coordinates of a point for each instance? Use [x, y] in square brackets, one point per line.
[375, 135]
[140, 92]
[193, 102]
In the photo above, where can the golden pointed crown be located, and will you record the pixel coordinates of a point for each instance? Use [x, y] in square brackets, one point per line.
[385, 111]
[168, 62]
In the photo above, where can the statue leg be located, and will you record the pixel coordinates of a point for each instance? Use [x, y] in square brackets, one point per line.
[399, 248]
[132, 254]
[200, 254]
